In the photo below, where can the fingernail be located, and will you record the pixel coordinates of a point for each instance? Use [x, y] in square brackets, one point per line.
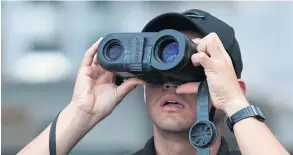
[141, 82]
[99, 40]
[193, 57]
[196, 40]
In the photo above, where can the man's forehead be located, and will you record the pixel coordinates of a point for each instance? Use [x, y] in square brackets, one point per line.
[192, 34]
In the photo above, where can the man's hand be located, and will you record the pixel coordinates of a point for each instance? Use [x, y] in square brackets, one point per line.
[225, 91]
[94, 92]
[95, 96]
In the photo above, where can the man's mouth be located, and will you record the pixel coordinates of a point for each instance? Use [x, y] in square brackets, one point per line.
[172, 103]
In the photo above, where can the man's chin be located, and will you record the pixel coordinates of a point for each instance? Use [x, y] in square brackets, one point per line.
[171, 124]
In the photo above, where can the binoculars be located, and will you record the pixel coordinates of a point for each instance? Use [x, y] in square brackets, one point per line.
[155, 57]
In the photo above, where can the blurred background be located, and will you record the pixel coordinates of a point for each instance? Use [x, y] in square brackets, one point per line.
[43, 44]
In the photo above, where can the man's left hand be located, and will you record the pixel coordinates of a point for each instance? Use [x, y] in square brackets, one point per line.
[225, 91]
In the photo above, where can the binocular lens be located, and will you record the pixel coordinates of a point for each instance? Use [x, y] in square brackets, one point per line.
[114, 51]
[169, 52]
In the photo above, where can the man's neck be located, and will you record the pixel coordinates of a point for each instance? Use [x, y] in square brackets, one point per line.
[170, 143]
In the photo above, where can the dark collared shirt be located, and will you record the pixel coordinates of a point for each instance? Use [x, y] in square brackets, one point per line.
[149, 149]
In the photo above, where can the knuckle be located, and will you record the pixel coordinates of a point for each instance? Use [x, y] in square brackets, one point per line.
[86, 70]
[214, 40]
[115, 96]
[219, 63]
[87, 53]
[201, 55]
[211, 41]
[200, 47]
[85, 56]
[80, 71]
[93, 46]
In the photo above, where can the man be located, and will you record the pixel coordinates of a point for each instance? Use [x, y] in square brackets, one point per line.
[95, 96]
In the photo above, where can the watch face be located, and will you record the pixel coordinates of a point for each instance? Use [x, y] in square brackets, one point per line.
[261, 113]
[258, 113]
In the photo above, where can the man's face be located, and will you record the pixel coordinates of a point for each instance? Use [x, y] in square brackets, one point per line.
[170, 111]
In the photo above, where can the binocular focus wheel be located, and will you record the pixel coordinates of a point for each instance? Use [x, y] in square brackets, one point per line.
[203, 134]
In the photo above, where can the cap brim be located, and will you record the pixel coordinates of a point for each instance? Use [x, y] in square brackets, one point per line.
[174, 21]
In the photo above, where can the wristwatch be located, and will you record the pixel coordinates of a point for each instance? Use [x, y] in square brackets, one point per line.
[250, 111]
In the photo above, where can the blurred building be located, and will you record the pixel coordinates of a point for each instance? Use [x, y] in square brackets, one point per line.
[43, 44]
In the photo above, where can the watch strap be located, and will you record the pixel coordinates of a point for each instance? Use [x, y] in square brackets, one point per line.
[250, 111]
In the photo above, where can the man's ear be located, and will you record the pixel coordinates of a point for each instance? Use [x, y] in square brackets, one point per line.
[242, 85]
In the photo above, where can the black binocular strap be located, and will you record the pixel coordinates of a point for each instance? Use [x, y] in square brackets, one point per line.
[203, 99]
[52, 136]
[212, 113]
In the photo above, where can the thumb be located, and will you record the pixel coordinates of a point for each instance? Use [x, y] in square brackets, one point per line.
[203, 59]
[127, 86]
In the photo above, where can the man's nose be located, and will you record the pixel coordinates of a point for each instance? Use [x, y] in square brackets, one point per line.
[169, 85]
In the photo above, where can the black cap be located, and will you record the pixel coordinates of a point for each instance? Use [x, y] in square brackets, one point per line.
[203, 23]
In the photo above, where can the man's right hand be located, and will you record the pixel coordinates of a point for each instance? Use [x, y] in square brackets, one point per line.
[95, 93]
[94, 97]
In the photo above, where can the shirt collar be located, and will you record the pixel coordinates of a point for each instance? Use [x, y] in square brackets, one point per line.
[149, 148]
